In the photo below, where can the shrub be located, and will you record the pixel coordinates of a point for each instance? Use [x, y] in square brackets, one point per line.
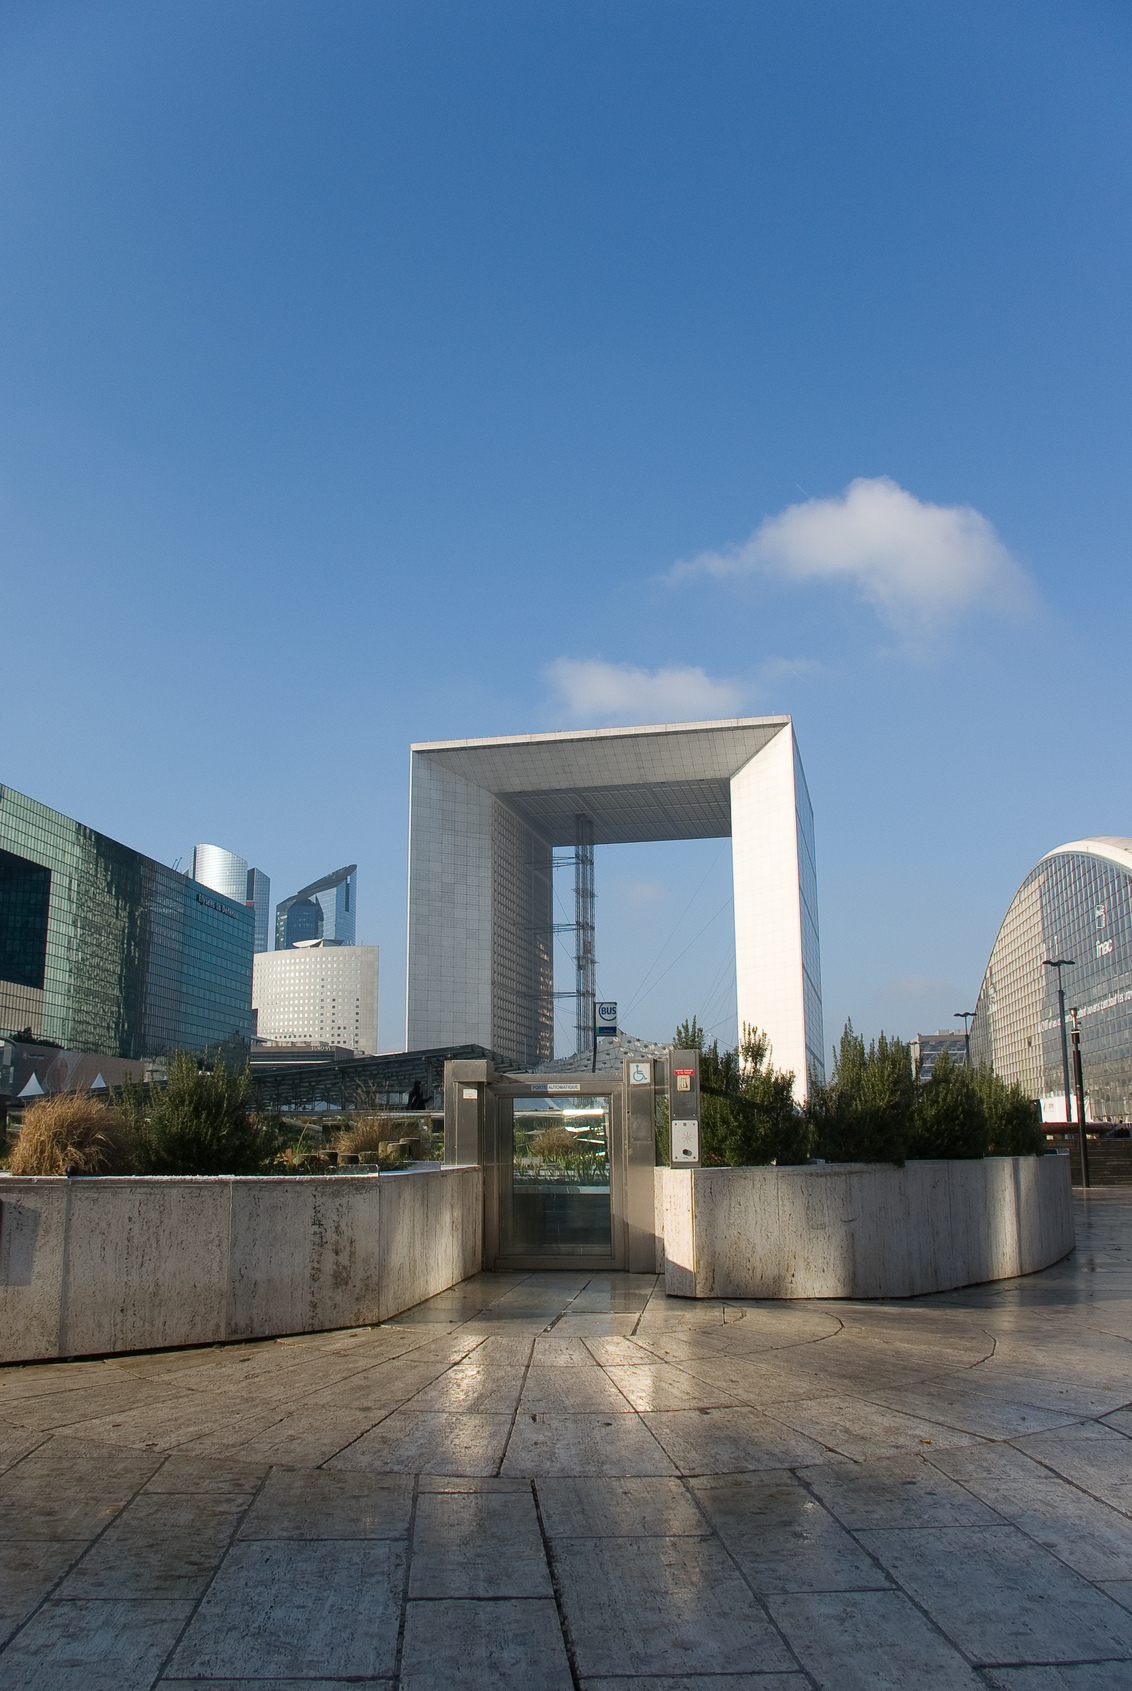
[200, 1122]
[73, 1130]
[863, 1113]
[1014, 1120]
[950, 1119]
[747, 1113]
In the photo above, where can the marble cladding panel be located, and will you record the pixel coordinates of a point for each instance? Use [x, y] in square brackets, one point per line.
[862, 1230]
[101, 1266]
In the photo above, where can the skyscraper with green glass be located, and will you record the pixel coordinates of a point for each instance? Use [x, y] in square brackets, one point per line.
[103, 949]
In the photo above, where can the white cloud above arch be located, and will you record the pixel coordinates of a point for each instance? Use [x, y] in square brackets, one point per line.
[592, 690]
[915, 562]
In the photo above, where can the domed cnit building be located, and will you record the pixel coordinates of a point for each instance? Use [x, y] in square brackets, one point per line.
[1077, 903]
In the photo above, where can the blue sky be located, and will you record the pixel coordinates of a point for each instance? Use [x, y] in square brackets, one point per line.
[383, 372]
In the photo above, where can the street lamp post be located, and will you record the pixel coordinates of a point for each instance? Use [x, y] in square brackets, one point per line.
[1079, 1084]
[968, 1017]
[1060, 963]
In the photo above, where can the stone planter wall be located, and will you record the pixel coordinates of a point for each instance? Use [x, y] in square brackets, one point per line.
[94, 1266]
[862, 1230]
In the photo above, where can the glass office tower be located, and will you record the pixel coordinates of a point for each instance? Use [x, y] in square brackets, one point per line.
[326, 910]
[105, 950]
[1076, 904]
[224, 872]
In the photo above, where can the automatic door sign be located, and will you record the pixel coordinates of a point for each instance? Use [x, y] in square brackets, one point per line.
[685, 1142]
[605, 1024]
[640, 1074]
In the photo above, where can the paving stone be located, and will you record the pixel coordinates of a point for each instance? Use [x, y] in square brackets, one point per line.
[1120, 1590]
[869, 1641]
[1081, 1676]
[159, 1547]
[617, 1508]
[701, 1682]
[298, 1610]
[999, 1596]
[272, 1684]
[725, 1441]
[409, 1442]
[473, 1388]
[865, 1431]
[908, 1491]
[572, 1391]
[28, 1570]
[198, 1474]
[782, 1538]
[468, 1646]
[16, 1443]
[1093, 1456]
[377, 1390]
[583, 1444]
[478, 1544]
[660, 1385]
[93, 1646]
[638, 1605]
[1088, 1536]
[969, 1411]
[304, 1505]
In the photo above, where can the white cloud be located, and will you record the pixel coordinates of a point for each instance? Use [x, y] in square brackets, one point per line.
[914, 561]
[591, 690]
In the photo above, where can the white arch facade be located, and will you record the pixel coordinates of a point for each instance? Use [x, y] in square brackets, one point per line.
[486, 816]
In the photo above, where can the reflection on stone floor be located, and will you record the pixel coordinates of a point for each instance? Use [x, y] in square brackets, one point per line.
[570, 1480]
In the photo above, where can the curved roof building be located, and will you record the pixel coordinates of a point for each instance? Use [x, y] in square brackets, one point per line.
[1076, 903]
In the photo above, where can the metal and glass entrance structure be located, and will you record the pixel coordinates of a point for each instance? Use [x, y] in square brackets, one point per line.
[567, 1163]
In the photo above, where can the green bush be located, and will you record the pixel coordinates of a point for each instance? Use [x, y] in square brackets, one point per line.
[1014, 1120]
[950, 1119]
[863, 1113]
[747, 1113]
[200, 1122]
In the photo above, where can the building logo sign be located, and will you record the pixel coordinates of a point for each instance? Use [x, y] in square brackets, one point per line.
[214, 905]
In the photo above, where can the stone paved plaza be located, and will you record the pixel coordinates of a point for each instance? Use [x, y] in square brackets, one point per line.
[554, 1480]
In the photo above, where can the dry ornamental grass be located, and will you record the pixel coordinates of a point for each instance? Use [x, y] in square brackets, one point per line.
[369, 1133]
[72, 1130]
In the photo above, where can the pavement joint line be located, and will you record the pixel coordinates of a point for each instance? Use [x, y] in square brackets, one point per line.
[713, 1533]
[403, 1614]
[894, 1582]
[556, 1589]
[83, 1554]
[241, 1517]
[498, 1469]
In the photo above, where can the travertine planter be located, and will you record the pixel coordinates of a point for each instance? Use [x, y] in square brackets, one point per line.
[861, 1230]
[90, 1267]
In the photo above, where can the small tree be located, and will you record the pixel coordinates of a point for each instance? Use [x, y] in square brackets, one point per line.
[1014, 1119]
[863, 1114]
[747, 1113]
[200, 1122]
[950, 1119]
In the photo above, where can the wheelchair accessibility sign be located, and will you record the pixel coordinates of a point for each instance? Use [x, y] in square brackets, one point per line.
[640, 1074]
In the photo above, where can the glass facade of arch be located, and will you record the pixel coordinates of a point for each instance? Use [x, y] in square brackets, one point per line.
[1075, 904]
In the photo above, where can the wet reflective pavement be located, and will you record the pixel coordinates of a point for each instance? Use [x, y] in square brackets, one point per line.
[570, 1480]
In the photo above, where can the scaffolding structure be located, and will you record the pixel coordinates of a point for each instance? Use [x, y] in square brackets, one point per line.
[582, 927]
[585, 962]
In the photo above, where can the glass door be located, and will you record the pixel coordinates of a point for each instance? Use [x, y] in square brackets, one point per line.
[555, 1160]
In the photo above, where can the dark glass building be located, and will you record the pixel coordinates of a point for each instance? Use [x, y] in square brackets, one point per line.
[102, 949]
[1077, 903]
